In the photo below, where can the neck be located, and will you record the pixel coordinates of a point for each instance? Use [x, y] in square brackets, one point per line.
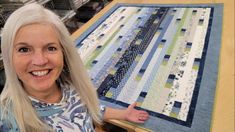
[52, 96]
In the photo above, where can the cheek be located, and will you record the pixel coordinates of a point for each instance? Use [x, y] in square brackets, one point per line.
[20, 70]
[61, 65]
[19, 65]
[60, 62]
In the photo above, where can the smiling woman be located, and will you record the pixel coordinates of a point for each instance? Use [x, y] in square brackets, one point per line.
[47, 87]
[40, 61]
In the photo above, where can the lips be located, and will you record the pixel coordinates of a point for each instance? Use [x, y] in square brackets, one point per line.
[40, 73]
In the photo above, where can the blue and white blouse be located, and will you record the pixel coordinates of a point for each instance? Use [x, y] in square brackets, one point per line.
[69, 115]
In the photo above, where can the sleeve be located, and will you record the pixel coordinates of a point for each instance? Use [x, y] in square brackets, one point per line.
[9, 124]
[4, 126]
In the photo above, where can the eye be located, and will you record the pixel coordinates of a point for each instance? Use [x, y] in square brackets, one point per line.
[52, 48]
[23, 50]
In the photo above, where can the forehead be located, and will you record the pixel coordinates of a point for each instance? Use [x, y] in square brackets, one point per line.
[43, 25]
[36, 32]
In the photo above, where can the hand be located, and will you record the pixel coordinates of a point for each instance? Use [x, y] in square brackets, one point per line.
[134, 115]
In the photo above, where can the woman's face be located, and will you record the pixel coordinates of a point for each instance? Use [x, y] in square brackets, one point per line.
[37, 58]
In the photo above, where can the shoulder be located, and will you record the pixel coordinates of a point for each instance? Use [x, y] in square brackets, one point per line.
[7, 121]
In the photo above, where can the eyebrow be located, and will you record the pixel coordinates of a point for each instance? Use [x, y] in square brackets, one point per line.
[52, 43]
[26, 44]
[21, 43]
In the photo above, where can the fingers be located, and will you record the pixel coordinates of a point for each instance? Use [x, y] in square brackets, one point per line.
[143, 116]
[143, 112]
[140, 121]
[132, 105]
[137, 116]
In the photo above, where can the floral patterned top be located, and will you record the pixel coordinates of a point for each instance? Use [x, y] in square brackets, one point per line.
[69, 115]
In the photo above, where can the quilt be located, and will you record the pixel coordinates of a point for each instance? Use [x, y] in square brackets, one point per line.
[164, 57]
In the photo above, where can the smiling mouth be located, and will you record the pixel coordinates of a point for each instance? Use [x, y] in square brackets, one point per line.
[40, 73]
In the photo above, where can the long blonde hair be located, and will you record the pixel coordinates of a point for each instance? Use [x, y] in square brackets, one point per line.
[13, 95]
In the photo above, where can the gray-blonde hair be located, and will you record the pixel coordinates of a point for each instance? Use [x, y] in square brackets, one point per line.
[13, 95]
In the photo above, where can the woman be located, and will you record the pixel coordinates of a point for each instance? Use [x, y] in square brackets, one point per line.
[47, 87]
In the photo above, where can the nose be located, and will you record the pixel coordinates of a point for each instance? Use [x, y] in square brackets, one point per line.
[39, 59]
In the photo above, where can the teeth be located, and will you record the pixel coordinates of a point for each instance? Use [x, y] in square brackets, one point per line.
[40, 73]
